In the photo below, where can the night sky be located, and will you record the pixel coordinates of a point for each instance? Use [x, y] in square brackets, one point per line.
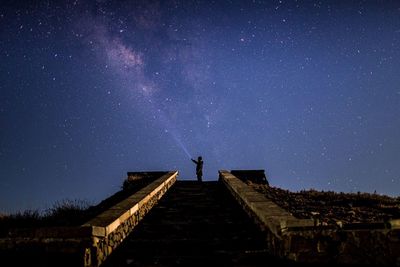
[308, 91]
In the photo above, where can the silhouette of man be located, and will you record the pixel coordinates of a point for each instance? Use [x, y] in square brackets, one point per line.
[199, 168]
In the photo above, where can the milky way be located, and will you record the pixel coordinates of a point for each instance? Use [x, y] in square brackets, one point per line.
[308, 91]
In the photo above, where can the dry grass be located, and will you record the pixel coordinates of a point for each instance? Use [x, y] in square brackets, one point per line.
[332, 207]
[73, 212]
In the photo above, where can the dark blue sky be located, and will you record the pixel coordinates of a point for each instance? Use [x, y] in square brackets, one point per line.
[309, 91]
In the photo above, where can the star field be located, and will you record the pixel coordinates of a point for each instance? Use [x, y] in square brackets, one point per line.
[308, 90]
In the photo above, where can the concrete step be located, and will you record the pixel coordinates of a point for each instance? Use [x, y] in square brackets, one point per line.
[194, 224]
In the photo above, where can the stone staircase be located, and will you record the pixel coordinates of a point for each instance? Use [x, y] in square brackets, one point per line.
[194, 224]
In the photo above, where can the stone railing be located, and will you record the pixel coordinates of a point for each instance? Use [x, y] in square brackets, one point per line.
[301, 240]
[90, 244]
[112, 226]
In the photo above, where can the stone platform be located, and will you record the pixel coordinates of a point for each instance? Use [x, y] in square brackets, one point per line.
[187, 223]
[195, 224]
[305, 241]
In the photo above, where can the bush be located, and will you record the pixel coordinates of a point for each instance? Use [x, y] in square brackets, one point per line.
[67, 212]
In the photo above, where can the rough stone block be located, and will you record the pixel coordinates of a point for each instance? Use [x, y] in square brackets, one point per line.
[395, 224]
[303, 241]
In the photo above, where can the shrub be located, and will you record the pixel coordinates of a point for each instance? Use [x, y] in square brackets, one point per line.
[67, 212]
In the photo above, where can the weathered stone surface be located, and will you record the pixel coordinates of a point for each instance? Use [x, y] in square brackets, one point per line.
[395, 224]
[330, 207]
[195, 224]
[90, 244]
[307, 240]
[136, 207]
[255, 176]
[300, 240]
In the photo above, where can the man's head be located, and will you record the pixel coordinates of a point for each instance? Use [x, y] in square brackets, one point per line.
[199, 158]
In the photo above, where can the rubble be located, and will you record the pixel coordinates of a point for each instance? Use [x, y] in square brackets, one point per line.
[333, 208]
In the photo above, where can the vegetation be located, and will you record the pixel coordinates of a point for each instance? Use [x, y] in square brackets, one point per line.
[332, 207]
[73, 212]
[65, 213]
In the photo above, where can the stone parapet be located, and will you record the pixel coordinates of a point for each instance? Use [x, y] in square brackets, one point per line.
[112, 226]
[90, 244]
[303, 240]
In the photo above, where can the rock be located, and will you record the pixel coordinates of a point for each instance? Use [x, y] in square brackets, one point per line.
[334, 208]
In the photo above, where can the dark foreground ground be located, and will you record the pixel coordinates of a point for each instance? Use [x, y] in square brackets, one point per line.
[73, 212]
[200, 224]
[334, 208]
[195, 225]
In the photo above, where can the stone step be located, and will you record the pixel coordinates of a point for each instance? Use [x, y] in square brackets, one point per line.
[194, 224]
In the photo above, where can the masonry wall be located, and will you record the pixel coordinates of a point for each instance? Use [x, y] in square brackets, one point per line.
[299, 240]
[110, 233]
[88, 245]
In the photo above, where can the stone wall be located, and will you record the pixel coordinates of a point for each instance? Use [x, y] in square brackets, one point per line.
[301, 240]
[115, 224]
[90, 244]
